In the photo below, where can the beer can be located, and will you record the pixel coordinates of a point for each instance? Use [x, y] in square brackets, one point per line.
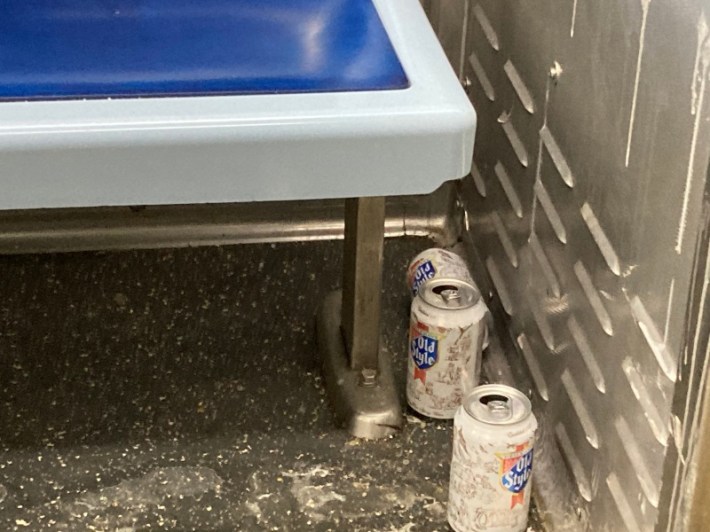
[437, 262]
[434, 263]
[492, 461]
[446, 332]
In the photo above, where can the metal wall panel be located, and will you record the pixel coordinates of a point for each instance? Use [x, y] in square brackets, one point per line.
[447, 18]
[686, 485]
[590, 163]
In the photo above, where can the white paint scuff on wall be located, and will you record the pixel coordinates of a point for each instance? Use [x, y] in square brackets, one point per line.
[574, 19]
[553, 75]
[669, 307]
[698, 85]
[642, 39]
[696, 82]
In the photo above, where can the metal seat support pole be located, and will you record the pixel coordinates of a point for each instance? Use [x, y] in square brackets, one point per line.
[358, 378]
[362, 281]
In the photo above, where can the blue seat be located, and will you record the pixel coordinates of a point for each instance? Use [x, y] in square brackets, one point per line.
[155, 102]
[65, 49]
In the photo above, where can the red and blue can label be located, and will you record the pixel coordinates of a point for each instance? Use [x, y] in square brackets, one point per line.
[424, 350]
[425, 271]
[515, 472]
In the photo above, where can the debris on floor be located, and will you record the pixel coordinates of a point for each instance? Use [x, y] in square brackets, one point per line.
[181, 389]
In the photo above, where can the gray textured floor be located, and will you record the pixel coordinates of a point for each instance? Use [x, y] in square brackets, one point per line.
[180, 390]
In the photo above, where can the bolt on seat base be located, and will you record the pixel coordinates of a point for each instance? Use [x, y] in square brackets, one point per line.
[366, 411]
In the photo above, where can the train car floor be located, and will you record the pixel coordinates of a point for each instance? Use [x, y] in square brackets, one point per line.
[180, 389]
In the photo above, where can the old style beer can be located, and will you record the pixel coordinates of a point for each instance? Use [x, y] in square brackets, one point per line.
[491, 466]
[446, 333]
[436, 263]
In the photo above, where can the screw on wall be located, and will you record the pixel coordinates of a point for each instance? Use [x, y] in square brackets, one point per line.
[556, 71]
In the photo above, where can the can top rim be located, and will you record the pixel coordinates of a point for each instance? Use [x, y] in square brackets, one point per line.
[449, 294]
[518, 404]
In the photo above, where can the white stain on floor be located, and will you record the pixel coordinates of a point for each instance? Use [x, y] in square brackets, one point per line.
[330, 494]
[312, 497]
[152, 488]
[120, 506]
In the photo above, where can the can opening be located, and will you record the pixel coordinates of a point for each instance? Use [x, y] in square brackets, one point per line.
[498, 406]
[448, 292]
[485, 399]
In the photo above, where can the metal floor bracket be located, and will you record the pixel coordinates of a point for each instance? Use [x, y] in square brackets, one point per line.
[367, 410]
[359, 380]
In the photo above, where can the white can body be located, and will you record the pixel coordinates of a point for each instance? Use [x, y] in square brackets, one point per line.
[435, 263]
[444, 356]
[491, 473]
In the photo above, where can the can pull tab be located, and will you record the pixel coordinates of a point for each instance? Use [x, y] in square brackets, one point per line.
[449, 293]
[499, 407]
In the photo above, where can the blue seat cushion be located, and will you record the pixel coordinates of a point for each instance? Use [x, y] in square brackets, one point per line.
[69, 49]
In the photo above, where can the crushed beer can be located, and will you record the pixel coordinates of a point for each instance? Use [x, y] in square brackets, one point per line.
[435, 263]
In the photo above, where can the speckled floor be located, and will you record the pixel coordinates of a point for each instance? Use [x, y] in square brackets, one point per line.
[181, 390]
